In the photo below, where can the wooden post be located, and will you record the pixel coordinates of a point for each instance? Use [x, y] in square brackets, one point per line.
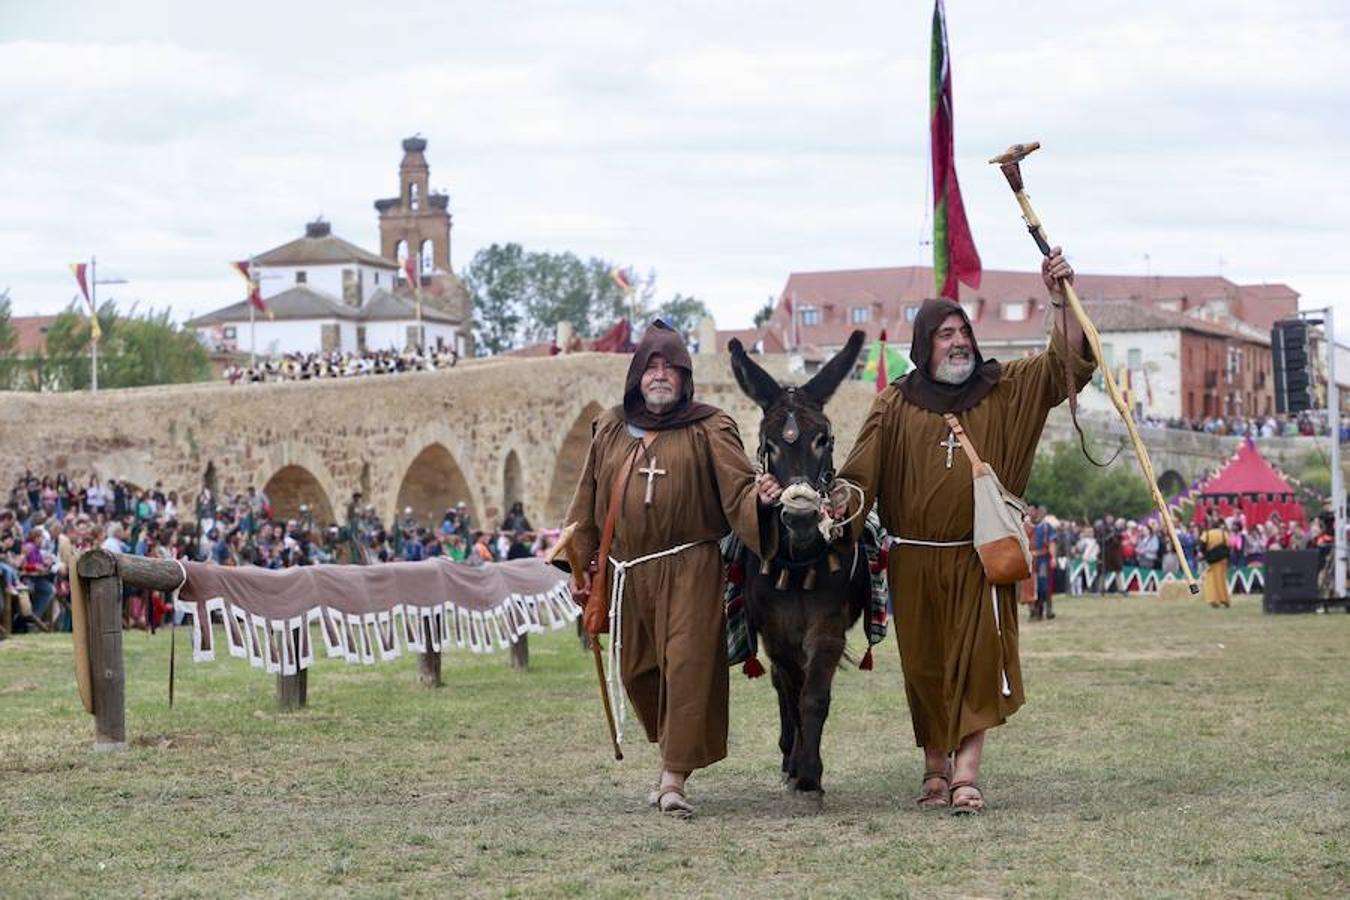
[429, 663]
[293, 690]
[99, 568]
[520, 653]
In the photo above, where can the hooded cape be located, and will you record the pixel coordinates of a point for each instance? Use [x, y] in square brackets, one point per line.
[920, 388]
[661, 338]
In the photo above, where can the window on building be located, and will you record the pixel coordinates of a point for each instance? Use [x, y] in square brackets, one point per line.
[229, 332]
[858, 315]
[810, 315]
[1135, 358]
[911, 312]
[377, 277]
[967, 307]
[360, 339]
[428, 257]
[414, 200]
[1014, 311]
[301, 277]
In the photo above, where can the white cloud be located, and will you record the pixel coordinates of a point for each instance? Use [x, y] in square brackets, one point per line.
[723, 144]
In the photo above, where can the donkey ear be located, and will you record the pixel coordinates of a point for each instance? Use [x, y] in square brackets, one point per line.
[757, 384]
[821, 387]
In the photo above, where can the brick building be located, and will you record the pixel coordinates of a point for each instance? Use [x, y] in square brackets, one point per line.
[1188, 346]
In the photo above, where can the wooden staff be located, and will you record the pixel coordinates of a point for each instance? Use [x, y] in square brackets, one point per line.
[1010, 163]
[568, 551]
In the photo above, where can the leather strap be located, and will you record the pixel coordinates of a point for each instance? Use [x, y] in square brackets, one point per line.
[955, 425]
[597, 609]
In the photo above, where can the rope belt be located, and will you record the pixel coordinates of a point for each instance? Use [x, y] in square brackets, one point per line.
[616, 693]
[917, 543]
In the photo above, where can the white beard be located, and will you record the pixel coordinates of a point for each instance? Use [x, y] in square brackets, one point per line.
[660, 401]
[949, 372]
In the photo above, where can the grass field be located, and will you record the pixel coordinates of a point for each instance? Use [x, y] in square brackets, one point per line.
[1165, 750]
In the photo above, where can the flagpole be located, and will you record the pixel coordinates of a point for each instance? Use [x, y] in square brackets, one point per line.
[93, 316]
[252, 318]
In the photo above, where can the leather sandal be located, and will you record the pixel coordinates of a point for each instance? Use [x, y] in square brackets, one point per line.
[967, 805]
[673, 802]
[938, 799]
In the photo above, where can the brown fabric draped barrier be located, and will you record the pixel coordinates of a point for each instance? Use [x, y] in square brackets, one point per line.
[371, 612]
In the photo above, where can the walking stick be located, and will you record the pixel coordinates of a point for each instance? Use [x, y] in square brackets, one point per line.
[604, 695]
[1010, 163]
[567, 550]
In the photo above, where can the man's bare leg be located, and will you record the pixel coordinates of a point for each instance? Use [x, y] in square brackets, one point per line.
[937, 774]
[966, 773]
[669, 796]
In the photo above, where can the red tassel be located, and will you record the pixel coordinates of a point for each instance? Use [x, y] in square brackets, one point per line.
[866, 663]
[752, 667]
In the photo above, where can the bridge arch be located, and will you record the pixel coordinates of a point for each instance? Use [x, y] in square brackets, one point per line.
[567, 466]
[312, 483]
[432, 483]
[1171, 483]
[293, 486]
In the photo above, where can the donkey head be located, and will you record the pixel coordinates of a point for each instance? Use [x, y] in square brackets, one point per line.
[796, 442]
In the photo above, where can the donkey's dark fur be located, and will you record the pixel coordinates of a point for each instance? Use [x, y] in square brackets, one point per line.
[805, 595]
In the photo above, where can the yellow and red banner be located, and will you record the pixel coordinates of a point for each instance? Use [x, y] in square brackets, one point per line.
[245, 269]
[81, 271]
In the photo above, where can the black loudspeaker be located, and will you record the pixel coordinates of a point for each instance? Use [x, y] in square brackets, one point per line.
[1291, 581]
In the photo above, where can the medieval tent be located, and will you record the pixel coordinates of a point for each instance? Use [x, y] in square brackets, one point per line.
[1249, 484]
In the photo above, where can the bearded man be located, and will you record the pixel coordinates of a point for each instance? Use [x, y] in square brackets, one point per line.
[958, 633]
[679, 480]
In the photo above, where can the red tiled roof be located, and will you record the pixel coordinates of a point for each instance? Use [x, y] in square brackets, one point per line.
[30, 333]
[886, 293]
[773, 340]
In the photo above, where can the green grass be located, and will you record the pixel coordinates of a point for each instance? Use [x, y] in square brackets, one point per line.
[1165, 750]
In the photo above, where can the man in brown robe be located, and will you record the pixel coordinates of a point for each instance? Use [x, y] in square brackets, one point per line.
[958, 633]
[688, 484]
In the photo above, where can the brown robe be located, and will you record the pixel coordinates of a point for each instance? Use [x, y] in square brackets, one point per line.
[674, 661]
[958, 636]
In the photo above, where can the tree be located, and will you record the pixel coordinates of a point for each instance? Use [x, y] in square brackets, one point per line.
[1069, 486]
[497, 282]
[7, 342]
[134, 350]
[150, 349]
[765, 312]
[561, 288]
[683, 313]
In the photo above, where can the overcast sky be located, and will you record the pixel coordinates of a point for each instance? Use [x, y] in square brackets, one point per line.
[724, 143]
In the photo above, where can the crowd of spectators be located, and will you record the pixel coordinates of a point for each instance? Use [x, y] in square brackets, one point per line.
[314, 366]
[1112, 544]
[1302, 424]
[47, 520]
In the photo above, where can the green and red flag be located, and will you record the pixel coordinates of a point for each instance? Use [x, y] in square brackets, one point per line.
[885, 363]
[954, 255]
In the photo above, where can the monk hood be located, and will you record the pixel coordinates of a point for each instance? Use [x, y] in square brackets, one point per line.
[921, 389]
[661, 338]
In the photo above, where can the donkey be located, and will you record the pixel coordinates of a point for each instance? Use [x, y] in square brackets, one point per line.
[805, 594]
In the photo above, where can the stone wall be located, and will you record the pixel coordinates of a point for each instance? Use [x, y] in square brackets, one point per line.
[427, 440]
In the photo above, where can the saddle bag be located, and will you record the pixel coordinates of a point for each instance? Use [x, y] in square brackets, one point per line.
[1000, 519]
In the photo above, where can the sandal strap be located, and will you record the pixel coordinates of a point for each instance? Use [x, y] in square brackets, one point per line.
[944, 775]
[969, 785]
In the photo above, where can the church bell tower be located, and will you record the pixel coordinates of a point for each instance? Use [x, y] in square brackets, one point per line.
[416, 222]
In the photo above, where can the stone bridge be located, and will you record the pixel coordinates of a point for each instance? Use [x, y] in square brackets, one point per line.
[488, 433]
